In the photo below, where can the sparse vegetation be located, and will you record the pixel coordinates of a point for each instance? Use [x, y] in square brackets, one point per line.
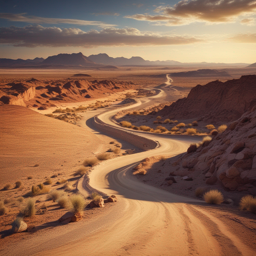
[158, 117]
[125, 124]
[7, 186]
[90, 161]
[167, 121]
[191, 131]
[38, 190]
[18, 184]
[63, 201]
[77, 203]
[145, 128]
[248, 203]
[213, 197]
[29, 210]
[174, 129]
[199, 191]
[81, 171]
[210, 126]
[103, 156]
[140, 172]
[161, 128]
[222, 128]
[181, 125]
[54, 195]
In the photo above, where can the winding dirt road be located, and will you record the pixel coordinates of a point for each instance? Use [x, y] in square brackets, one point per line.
[146, 220]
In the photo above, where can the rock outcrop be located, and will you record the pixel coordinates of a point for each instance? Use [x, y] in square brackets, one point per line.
[216, 101]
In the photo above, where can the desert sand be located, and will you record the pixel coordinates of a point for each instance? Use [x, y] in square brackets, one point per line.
[147, 220]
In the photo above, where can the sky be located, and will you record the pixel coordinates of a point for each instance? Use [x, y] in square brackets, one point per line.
[220, 31]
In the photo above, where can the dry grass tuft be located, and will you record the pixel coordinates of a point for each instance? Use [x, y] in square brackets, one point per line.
[103, 156]
[7, 186]
[222, 128]
[38, 190]
[159, 118]
[81, 171]
[213, 197]
[54, 195]
[199, 191]
[77, 203]
[161, 128]
[210, 126]
[64, 201]
[48, 181]
[206, 139]
[29, 210]
[93, 195]
[18, 184]
[90, 161]
[191, 131]
[3, 209]
[174, 129]
[181, 125]
[248, 203]
[167, 121]
[125, 124]
[145, 128]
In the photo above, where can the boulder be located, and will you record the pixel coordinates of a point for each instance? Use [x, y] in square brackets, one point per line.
[232, 172]
[243, 164]
[212, 180]
[66, 218]
[97, 203]
[76, 217]
[192, 148]
[112, 198]
[239, 146]
[19, 226]
[231, 184]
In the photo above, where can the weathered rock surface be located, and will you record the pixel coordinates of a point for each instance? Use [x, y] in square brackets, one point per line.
[19, 226]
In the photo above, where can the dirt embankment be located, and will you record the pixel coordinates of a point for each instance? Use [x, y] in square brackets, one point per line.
[42, 94]
[216, 101]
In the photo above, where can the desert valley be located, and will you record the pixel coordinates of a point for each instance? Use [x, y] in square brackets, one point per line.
[106, 150]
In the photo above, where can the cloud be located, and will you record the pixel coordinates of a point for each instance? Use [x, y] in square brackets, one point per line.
[211, 11]
[248, 21]
[106, 13]
[37, 35]
[244, 38]
[40, 20]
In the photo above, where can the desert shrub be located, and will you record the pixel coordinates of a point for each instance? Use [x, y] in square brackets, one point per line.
[161, 128]
[93, 195]
[81, 171]
[90, 161]
[3, 209]
[158, 117]
[189, 125]
[167, 121]
[38, 190]
[77, 203]
[248, 203]
[29, 210]
[155, 122]
[140, 172]
[7, 186]
[191, 131]
[117, 150]
[199, 191]
[20, 199]
[125, 124]
[35, 190]
[63, 201]
[180, 125]
[174, 129]
[145, 128]
[68, 187]
[18, 184]
[210, 126]
[103, 156]
[207, 138]
[48, 181]
[30, 177]
[54, 195]
[157, 131]
[222, 128]
[135, 128]
[7, 200]
[213, 197]
[195, 123]
[135, 112]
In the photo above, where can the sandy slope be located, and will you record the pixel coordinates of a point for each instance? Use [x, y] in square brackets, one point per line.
[146, 220]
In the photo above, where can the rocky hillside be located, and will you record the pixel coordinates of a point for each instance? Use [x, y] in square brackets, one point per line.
[43, 94]
[216, 101]
[228, 159]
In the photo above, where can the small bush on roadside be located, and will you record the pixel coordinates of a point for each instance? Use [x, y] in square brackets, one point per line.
[157, 131]
[248, 203]
[7, 186]
[77, 203]
[145, 128]
[93, 195]
[159, 118]
[222, 128]
[161, 128]
[18, 184]
[207, 138]
[29, 210]
[181, 125]
[81, 171]
[210, 126]
[90, 161]
[63, 201]
[174, 129]
[3, 209]
[213, 197]
[199, 191]
[191, 131]
[167, 121]
[125, 124]
[103, 156]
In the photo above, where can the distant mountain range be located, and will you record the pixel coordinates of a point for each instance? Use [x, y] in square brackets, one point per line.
[99, 61]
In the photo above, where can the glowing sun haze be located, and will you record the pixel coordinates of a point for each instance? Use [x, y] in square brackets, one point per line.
[186, 30]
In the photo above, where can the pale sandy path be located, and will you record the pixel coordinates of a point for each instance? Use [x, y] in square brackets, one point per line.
[145, 221]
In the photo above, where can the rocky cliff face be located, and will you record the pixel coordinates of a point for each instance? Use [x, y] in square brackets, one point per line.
[215, 101]
[229, 159]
